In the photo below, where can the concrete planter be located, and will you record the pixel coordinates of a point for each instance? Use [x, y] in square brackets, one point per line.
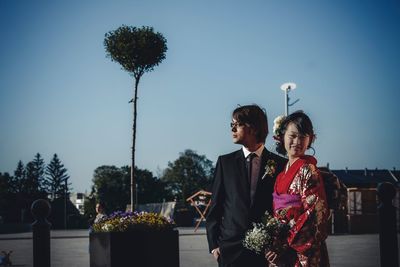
[144, 248]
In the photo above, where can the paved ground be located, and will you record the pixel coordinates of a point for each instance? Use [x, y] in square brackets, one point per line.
[70, 249]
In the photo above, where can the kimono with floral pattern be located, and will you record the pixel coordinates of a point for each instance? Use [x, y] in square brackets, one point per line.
[308, 219]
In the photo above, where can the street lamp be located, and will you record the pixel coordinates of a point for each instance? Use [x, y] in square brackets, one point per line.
[288, 87]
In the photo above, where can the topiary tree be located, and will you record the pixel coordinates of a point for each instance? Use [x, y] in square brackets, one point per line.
[138, 50]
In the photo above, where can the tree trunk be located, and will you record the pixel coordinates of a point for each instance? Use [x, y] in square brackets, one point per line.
[133, 182]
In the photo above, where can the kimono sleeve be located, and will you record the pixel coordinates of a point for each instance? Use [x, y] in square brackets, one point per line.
[310, 227]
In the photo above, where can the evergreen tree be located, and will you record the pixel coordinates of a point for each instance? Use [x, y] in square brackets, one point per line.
[18, 181]
[5, 203]
[34, 182]
[56, 181]
[4, 183]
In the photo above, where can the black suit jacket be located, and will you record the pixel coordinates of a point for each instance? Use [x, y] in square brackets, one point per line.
[230, 214]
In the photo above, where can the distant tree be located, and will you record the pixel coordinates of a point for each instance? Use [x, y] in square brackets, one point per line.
[150, 188]
[34, 182]
[5, 180]
[89, 207]
[19, 178]
[188, 174]
[11, 202]
[138, 50]
[56, 180]
[110, 186]
[61, 208]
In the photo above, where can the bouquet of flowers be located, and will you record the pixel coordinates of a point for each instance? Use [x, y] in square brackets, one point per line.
[127, 221]
[270, 234]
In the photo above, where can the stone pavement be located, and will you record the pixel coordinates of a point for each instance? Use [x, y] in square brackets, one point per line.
[70, 248]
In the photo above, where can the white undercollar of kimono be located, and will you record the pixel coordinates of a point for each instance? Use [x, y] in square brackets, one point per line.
[258, 152]
[288, 165]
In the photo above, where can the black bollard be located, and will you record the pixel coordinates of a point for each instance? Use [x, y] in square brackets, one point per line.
[387, 226]
[41, 233]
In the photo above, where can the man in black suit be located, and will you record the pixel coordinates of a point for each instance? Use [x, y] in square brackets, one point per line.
[242, 189]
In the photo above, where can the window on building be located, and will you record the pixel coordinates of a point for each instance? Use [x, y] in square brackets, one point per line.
[355, 202]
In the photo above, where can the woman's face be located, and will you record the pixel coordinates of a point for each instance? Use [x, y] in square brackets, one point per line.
[295, 143]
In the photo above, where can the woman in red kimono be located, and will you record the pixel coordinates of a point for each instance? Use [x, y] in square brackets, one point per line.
[299, 195]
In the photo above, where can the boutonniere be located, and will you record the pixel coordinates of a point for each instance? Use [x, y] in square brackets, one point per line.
[270, 169]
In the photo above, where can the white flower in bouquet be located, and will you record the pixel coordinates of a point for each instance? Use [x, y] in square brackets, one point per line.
[256, 238]
[266, 235]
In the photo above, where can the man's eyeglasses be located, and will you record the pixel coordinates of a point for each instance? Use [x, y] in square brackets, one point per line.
[236, 124]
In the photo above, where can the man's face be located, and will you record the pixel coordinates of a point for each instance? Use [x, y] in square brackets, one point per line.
[241, 133]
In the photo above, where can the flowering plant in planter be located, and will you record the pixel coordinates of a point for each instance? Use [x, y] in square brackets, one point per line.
[130, 221]
[148, 238]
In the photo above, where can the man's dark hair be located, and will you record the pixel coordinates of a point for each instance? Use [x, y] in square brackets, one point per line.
[255, 117]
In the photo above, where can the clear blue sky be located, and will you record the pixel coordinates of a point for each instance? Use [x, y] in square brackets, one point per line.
[60, 94]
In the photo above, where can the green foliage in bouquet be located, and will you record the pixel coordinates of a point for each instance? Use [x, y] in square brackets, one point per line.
[130, 221]
[270, 234]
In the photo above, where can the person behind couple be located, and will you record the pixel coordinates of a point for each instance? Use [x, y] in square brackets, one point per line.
[238, 196]
[100, 215]
[100, 210]
[299, 195]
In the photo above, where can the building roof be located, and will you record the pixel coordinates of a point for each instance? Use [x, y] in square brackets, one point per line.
[366, 178]
[396, 173]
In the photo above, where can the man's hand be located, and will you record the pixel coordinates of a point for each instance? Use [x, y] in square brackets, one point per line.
[271, 258]
[216, 253]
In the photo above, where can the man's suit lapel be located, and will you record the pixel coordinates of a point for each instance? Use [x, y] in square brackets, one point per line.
[241, 167]
[264, 158]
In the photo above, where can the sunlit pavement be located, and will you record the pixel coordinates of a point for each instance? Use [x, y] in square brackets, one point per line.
[70, 248]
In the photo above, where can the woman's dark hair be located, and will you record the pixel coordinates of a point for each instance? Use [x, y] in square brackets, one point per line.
[255, 117]
[303, 125]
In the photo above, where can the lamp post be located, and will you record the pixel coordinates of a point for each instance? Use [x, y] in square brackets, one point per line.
[288, 87]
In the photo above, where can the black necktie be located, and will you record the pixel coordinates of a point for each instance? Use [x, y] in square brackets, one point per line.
[249, 163]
